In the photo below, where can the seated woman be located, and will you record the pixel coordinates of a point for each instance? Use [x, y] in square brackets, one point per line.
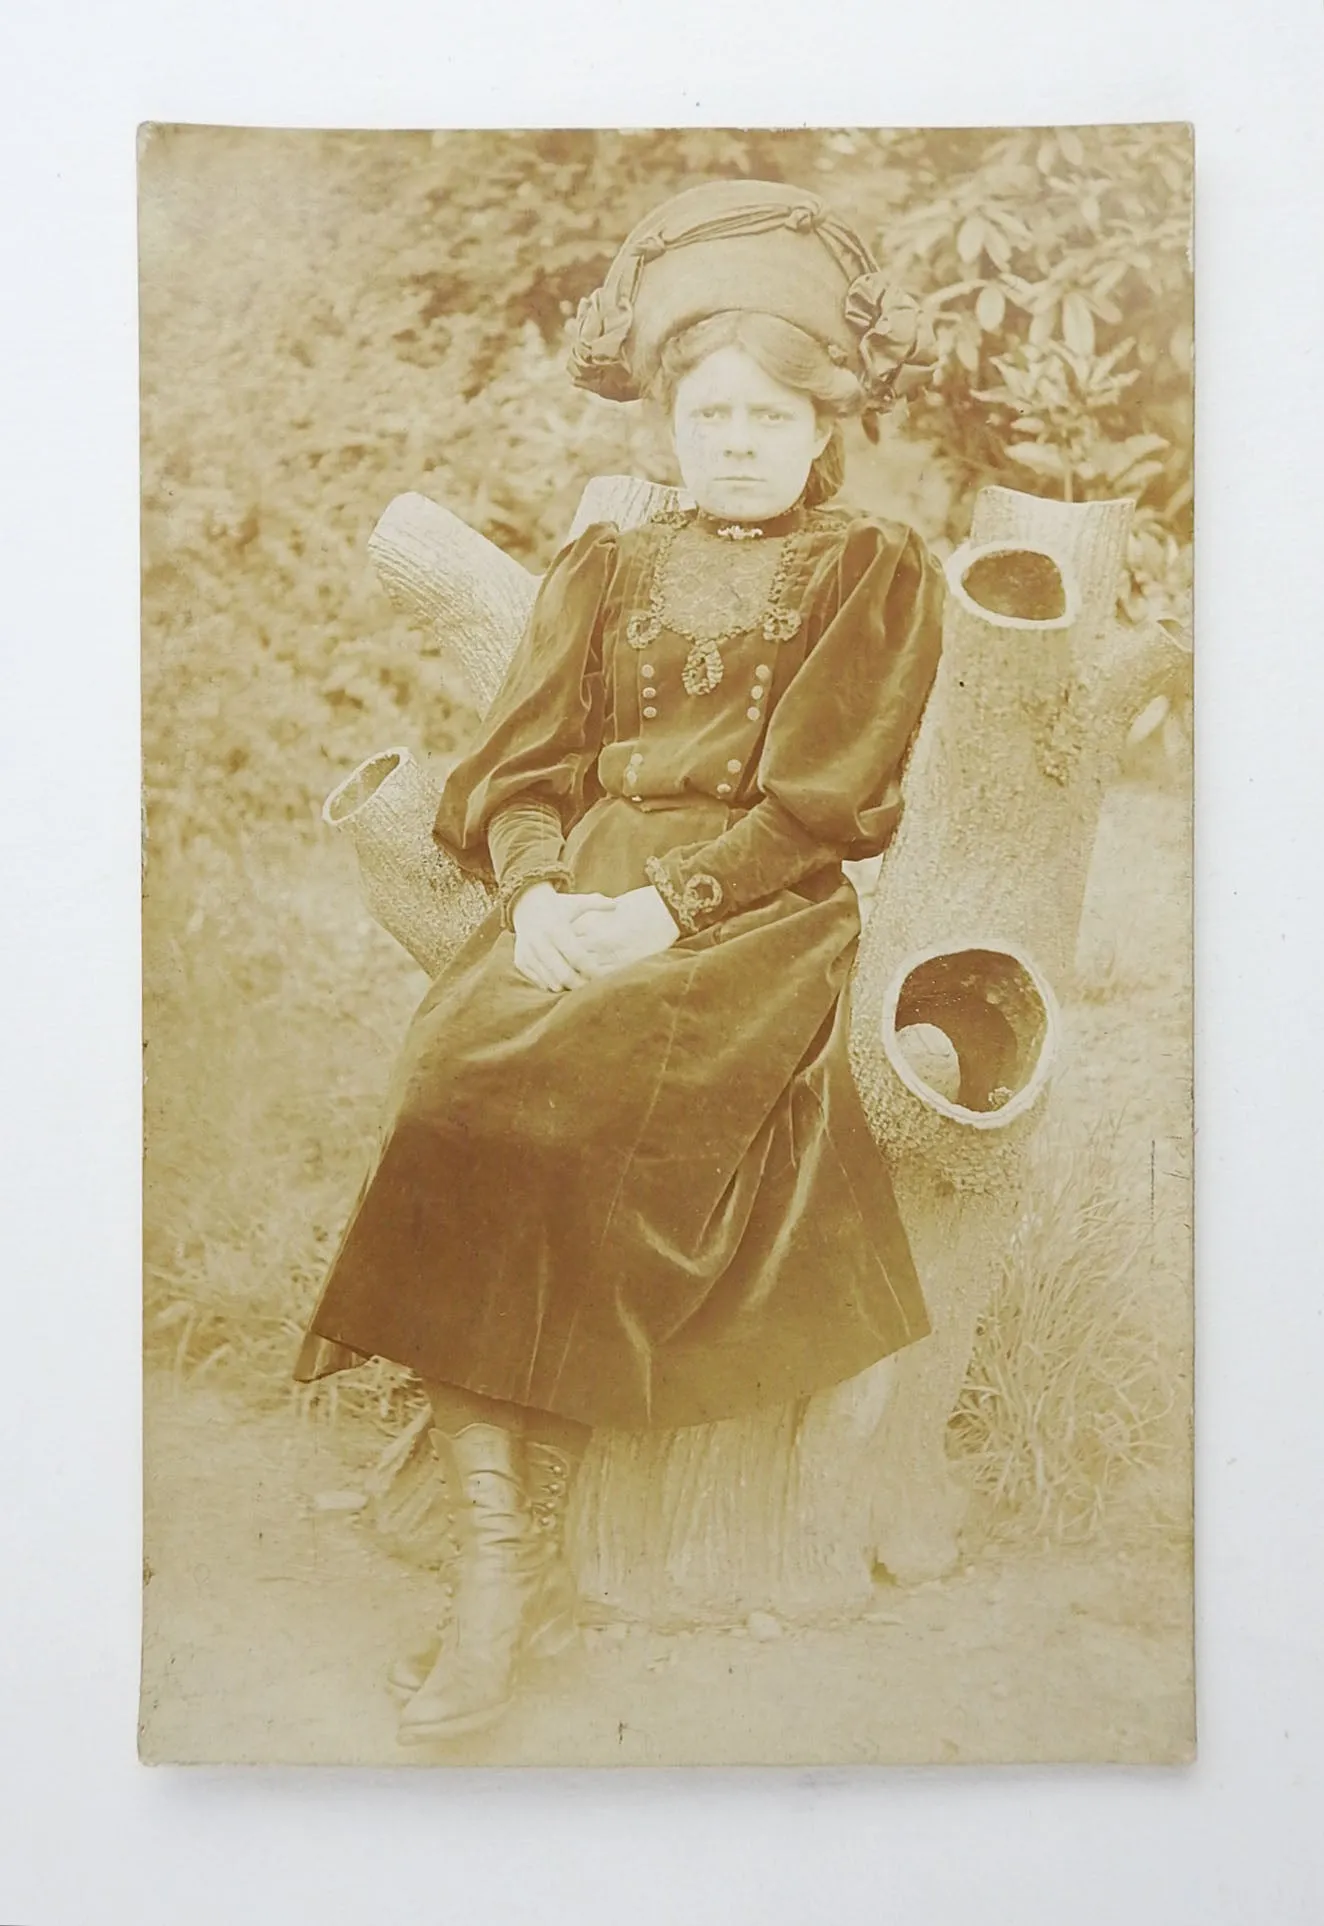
[628, 1181]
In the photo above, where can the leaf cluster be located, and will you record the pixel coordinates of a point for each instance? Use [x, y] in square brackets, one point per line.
[1056, 266]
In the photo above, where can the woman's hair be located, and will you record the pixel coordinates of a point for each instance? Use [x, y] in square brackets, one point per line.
[788, 355]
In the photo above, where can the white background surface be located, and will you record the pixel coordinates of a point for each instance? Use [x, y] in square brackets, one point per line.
[89, 1838]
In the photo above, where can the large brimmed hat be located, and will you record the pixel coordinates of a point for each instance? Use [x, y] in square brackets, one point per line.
[755, 247]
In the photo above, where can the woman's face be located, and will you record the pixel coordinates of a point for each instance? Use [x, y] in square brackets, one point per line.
[745, 444]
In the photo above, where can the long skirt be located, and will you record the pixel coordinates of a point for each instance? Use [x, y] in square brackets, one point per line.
[652, 1200]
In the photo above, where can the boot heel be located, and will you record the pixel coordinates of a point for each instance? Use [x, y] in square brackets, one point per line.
[554, 1629]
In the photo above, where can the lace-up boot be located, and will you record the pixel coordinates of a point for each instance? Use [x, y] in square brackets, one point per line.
[499, 1576]
[549, 1471]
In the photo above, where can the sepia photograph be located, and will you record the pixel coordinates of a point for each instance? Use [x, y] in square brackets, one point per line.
[667, 746]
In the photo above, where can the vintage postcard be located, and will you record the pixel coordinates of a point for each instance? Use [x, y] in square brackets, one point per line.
[667, 761]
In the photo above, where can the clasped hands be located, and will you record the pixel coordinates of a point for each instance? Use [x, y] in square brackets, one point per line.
[563, 940]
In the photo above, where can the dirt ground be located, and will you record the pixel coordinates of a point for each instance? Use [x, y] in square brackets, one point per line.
[271, 1621]
[272, 1610]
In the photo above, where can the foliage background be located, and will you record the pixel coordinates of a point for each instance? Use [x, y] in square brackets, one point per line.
[331, 319]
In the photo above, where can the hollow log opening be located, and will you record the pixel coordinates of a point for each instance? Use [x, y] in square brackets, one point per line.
[1022, 582]
[970, 1030]
[360, 787]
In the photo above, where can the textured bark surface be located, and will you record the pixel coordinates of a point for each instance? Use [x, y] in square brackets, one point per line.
[1087, 538]
[1002, 801]
[974, 920]
[622, 499]
[414, 889]
[449, 577]
[710, 1522]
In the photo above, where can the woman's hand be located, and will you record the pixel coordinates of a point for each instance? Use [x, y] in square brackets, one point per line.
[625, 929]
[548, 949]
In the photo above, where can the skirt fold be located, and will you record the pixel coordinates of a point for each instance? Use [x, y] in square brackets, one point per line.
[653, 1200]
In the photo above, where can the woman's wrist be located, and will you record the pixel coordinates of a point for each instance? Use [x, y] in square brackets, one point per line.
[514, 889]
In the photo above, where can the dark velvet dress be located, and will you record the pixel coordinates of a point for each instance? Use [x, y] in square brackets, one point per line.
[654, 1200]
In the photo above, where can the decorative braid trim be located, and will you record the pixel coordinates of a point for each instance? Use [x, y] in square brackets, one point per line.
[701, 895]
[514, 886]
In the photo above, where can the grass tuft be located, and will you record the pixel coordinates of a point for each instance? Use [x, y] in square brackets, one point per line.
[1070, 1402]
[274, 1007]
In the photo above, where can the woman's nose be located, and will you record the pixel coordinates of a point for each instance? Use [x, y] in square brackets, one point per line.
[739, 438]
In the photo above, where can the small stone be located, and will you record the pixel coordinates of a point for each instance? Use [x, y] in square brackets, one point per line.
[340, 1501]
[762, 1625]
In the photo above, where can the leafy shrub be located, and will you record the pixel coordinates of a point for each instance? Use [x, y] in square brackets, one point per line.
[1056, 265]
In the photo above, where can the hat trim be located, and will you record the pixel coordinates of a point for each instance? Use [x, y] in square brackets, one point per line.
[605, 318]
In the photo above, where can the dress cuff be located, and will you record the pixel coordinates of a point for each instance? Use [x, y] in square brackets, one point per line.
[527, 846]
[695, 898]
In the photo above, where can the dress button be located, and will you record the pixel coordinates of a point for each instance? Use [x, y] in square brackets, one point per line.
[755, 715]
[758, 692]
[650, 712]
[645, 668]
[734, 765]
[650, 692]
[724, 789]
[763, 672]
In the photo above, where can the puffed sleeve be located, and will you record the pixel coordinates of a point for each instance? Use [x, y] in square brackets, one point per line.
[506, 806]
[837, 742]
